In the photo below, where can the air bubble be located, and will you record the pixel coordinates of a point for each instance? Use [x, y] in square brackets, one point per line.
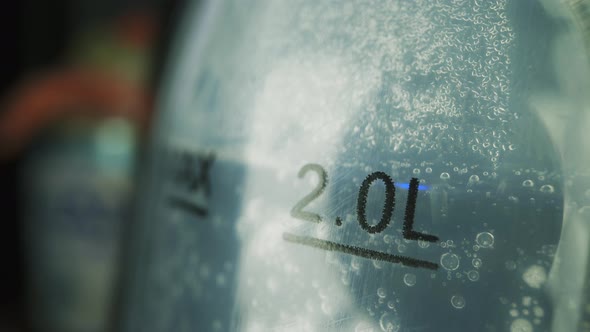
[391, 305]
[528, 183]
[474, 179]
[428, 170]
[381, 292]
[220, 280]
[547, 188]
[355, 263]
[476, 263]
[389, 323]
[485, 239]
[204, 272]
[473, 275]
[510, 265]
[378, 264]
[521, 325]
[458, 301]
[364, 327]
[535, 276]
[409, 279]
[345, 279]
[449, 261]
[416, 171]
[401, 248]
[444, 176]
[526, 301]
[327, 307]
[423, 244]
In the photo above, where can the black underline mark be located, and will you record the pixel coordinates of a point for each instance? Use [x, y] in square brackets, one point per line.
[361, 252]
[187, 206]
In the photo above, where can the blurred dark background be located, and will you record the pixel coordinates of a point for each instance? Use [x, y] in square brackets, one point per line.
[37, 38]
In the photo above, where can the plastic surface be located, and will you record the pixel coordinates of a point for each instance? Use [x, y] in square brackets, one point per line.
[374, 166]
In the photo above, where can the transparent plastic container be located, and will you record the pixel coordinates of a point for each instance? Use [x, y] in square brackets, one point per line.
[368, 166]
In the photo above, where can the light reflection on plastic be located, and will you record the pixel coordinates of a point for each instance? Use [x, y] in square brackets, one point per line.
[407, 186]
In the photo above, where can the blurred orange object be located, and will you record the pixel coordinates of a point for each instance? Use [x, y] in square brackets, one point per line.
[52, 96]
[88, 88]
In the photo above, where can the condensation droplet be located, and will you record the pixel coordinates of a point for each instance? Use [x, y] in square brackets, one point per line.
[485, 239]
[409, 279]
[521, 325]
[449, 261]
[458, 301]
[528, 183]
